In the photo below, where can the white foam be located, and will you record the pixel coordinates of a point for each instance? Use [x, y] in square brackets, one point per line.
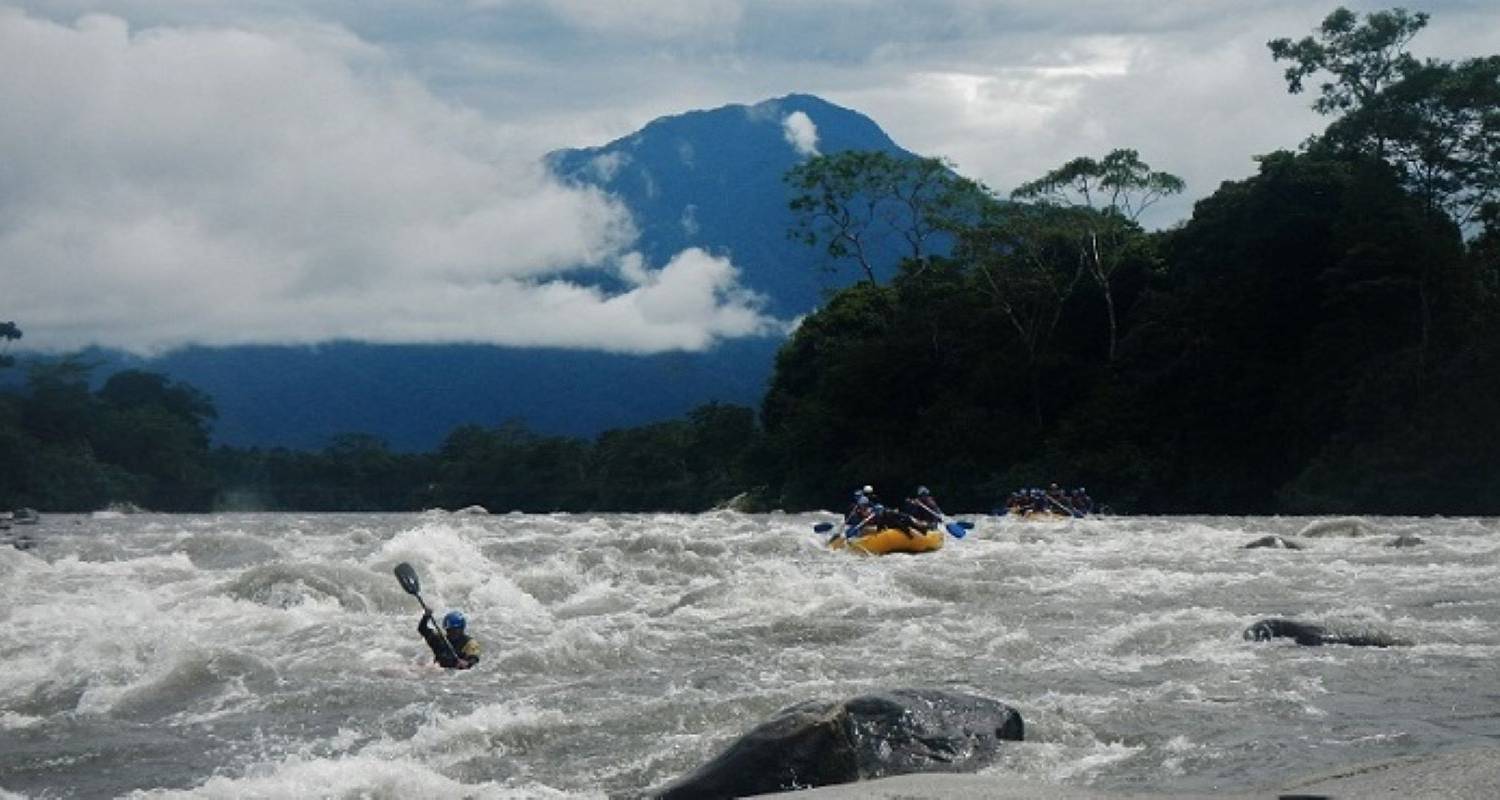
[677, 632]
[352, 776]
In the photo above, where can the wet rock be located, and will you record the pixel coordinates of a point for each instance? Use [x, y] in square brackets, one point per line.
[1406, 540]
[871, 736]
[1273, 541]
[1308, 634]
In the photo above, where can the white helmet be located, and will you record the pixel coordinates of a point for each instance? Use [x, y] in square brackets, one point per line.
[868, 489]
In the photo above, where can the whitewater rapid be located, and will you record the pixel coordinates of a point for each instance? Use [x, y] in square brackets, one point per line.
[275, 655]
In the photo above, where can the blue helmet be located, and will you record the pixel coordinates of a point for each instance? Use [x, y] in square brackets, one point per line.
[454, 621]
[922, 491]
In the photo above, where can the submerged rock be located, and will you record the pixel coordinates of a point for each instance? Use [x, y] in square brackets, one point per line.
[1406, 540]
[821, 743]
[1308, 634]
[1273, 541]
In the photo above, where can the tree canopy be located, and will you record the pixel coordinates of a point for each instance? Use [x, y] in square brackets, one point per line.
[1322, 336]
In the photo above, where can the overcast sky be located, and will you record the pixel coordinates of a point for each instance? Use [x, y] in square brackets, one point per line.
[274, 171]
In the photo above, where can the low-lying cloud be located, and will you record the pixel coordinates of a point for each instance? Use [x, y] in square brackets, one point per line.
[801, 133]
[289, 184]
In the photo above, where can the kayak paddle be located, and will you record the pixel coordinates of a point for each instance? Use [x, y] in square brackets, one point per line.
[408, 577]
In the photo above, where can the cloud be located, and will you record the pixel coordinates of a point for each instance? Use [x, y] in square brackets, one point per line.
[285, 170]
[800, 133]
[292, 184]
[644, 19]
[607, 165]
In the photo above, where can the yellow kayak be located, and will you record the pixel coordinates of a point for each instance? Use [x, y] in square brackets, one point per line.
[891, 540]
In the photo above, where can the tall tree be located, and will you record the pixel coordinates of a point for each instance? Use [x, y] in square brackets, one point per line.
[1026, 261]
[133, 388]
[1435, 124]
[859, 205]
[8, 333]
[1362, 58]
[1439, 127]
[1106, 197]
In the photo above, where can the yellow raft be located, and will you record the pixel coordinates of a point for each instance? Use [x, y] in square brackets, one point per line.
[1043, 516]
[891, 540]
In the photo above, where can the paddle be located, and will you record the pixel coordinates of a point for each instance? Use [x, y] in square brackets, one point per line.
[408, 577]
[1065, 507]
[955, 529]
[824, 527]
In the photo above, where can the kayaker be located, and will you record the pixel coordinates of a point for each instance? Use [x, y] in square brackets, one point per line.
[453, 648]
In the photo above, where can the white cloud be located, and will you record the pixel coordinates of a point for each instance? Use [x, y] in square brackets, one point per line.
[606, 166]
[646, 19]
[800, 133]
[1197, 103]
[232, 185]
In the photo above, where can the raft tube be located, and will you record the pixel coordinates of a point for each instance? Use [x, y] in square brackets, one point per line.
[1044, 516]
[891, 540]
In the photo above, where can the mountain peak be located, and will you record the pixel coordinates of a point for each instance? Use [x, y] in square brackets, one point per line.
[714, 179]
[767, 126]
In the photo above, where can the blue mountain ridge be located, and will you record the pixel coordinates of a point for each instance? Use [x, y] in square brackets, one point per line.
[710, 179]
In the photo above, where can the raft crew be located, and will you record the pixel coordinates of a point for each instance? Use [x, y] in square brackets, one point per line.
[887, 518]
[453, 648]
[858, 512]
[868, 512]
[1053, 499]
[924, 508]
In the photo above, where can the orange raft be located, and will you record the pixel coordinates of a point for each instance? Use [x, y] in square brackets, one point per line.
[891, 540]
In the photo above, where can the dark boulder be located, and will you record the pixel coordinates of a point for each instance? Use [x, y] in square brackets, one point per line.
[1305, 633]
[821, 743]
[1273, 541]
[1406, 540]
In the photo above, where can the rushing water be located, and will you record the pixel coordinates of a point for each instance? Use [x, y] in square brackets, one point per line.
[275, 655]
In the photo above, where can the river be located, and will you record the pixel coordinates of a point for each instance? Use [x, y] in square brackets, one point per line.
[275, 655]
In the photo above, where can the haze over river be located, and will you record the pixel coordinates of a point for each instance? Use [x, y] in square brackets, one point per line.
[275, 655]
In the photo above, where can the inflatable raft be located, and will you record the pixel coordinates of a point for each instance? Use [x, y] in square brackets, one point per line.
[1045, 516]
[891, 540]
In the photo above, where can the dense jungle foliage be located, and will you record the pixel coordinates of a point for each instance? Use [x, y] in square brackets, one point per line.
[1320, 337]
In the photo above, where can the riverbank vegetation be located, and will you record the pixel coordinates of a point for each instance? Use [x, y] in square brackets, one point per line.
[1322, 336]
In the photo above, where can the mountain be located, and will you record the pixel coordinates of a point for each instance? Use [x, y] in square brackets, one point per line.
[709, 179]
[713, 179]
